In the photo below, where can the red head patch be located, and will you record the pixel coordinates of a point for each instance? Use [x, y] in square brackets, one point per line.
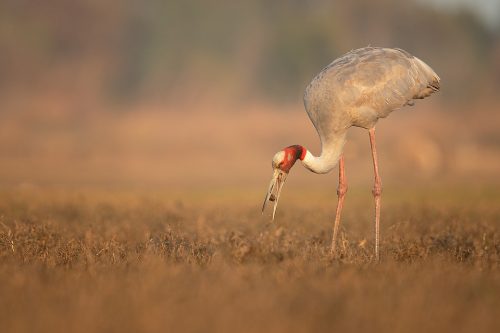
[292, 154]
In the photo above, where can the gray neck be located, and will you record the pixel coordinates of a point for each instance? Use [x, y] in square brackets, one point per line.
[331, 150]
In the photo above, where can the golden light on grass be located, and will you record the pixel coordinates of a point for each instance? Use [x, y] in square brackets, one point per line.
[128, 261]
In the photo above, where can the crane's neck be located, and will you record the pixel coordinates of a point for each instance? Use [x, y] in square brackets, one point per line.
[331, 150]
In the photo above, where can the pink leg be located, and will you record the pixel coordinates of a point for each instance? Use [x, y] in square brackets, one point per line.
[341, 191]
[377, 191]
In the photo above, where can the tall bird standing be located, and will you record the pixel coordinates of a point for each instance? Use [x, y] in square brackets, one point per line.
[354, 90]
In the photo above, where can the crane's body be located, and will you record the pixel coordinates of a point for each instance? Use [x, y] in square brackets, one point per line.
[356, 89]
[359, 88]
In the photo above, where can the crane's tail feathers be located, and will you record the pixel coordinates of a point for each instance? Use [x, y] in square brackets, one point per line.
[434, 85]
[428, 76]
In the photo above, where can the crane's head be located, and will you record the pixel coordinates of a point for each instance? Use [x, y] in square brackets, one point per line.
[282, 162]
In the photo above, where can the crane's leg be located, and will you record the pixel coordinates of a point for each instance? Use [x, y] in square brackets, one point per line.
[341, 191]
[377, 191]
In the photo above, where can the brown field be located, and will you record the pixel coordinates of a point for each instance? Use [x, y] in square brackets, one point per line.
[117, 261]
[135, 148]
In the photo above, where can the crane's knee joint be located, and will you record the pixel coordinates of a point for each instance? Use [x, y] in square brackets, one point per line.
[342, 189]
[377, 190]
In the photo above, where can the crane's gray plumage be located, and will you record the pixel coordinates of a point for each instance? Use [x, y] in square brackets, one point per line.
[356, 89]
[364, 85]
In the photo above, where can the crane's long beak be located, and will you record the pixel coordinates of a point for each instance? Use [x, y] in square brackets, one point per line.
[274, 191]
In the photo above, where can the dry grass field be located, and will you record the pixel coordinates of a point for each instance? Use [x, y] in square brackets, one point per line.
[136, 141]
[117, 261]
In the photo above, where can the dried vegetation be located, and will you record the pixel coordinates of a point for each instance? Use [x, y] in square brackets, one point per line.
[116, 262]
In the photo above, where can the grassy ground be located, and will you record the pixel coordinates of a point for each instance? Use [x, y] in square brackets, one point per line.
[124, 262]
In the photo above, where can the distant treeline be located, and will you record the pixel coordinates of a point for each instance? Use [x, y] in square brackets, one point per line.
[231, 49]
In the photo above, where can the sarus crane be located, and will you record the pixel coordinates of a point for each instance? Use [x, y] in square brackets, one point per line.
[356, 89]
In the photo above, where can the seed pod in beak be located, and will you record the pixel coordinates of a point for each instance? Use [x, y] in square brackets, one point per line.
[274, 191]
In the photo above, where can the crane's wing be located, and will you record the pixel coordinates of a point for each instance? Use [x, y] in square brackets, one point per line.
[364, 85]
[387, 79]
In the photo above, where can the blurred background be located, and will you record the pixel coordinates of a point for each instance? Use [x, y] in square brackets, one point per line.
[199, 94]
